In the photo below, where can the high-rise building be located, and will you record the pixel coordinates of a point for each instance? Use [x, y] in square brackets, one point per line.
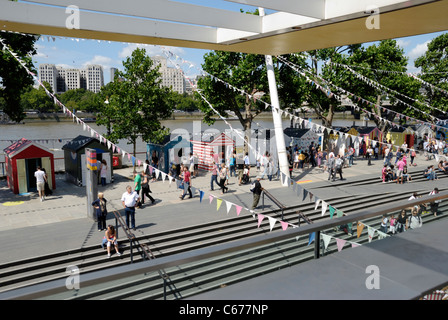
[48, 73]
[62, 79]
[171, 77]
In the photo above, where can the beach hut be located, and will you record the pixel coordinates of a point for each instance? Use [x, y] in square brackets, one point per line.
[300, 137]
[75, 159]
[172, 150]
[401, 135]
[423, 133]
[370, 133]
[21, 161]
[220, 144]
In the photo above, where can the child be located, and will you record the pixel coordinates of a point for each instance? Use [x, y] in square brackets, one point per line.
[384, 173]
[384, 224]
[392, 221]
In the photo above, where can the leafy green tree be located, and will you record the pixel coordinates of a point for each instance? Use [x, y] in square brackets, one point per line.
[184, 102]
[137, 102]
[434, 68]
[81, 100]
[246, 72]
[37, 99]
[14, 80]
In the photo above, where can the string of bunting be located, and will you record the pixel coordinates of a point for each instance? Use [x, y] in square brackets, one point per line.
[101, 138]
[362, 100]
[410, 74]
[287, 181]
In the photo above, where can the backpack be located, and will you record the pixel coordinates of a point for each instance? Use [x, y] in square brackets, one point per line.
[252, 186]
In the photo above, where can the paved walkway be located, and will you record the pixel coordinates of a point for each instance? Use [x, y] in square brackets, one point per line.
[29, 227]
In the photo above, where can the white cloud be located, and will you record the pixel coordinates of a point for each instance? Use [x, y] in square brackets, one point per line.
[419, 50]
[403, 43]
[104, 61]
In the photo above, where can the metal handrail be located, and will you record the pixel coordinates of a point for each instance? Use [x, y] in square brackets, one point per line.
[146, 252]
[281, 206]
[111, 274]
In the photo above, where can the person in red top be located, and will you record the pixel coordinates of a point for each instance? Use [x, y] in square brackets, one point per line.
[186, 176]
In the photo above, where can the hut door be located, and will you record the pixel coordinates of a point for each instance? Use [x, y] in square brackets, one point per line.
[46, 163]
[22, 175]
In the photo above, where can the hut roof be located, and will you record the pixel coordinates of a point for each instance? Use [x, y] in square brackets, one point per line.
[295, 132]
[21, 145]
[78, 143]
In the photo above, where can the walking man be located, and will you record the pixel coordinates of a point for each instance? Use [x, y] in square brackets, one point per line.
[41, 178]
[257, 189]
[129, 199]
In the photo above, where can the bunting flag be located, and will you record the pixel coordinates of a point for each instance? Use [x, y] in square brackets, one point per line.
[359, 228]
[324, 207]
[311, 238]
[272, 222]
[340, 243]
[284, 225]
[332, 210]
[371, 233]
[260, 219]
[238, 210]
[326, 239]
[228, 206]
[211, 198]
[201, 194]
[218, 203]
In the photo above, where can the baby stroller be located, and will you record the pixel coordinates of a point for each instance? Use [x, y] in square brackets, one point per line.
[246, 177]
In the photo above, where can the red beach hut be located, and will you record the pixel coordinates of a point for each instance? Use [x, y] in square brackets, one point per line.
[218, 145]
[21, 161]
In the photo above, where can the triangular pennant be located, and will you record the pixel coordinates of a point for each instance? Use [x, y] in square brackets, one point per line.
[324, 207]
[201, 195]
[371, 233]
[238, 210]
[211, 198]
[339, 213]
[284, 225]
[305, 193]
[354, 245]
[332, 210]
[218, 203]
[272, 222]
[340, 243]
[228, 206]
[326, 238]
[260, 218]
[311, 237]
[317, 203]
[359, 228]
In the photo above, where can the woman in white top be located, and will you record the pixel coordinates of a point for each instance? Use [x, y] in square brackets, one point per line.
[103, 172]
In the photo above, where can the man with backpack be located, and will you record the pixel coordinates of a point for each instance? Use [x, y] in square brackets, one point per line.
[256, 189]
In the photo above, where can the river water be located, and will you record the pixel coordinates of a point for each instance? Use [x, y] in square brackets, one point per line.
[53, 135]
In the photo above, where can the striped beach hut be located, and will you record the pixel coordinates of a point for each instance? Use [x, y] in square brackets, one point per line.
[22, 159]
[220, 144]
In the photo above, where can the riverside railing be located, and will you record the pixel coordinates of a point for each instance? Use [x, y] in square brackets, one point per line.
[102, 277]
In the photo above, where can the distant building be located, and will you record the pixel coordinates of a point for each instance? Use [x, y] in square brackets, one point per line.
[62, 79]
[171, 77]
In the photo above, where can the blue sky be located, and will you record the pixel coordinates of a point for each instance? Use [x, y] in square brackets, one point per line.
[77, 53]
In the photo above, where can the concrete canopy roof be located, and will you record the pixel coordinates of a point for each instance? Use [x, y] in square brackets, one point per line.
[292, 26]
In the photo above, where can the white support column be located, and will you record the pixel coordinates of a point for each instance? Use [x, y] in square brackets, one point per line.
[276, 116]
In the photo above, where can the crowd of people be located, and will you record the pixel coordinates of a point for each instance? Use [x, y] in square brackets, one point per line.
[394, 170]
[410, 218]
